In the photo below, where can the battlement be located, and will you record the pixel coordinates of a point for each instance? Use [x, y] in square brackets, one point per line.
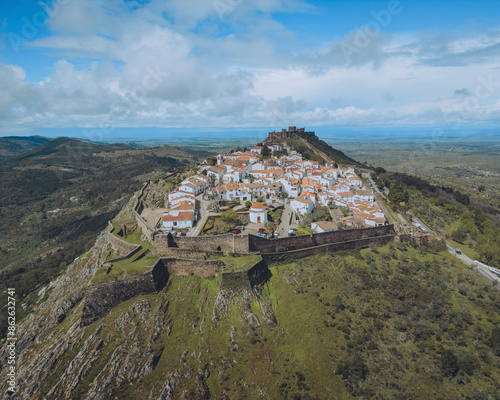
[285, 134]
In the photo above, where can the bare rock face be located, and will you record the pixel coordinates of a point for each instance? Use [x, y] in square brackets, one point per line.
[38, 351]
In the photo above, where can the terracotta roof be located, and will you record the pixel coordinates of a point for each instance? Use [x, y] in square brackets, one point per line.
[232, 185]
[302, 200]
[326, 225]
[258, 207]
[183, 193]
[182, 216]
[345, 194]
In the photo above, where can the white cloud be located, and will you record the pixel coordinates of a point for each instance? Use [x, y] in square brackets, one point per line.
[149, 70]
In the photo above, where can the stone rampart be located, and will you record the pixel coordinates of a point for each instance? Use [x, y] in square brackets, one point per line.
[101, 297]
[280, 245]
[184, 267]
[164, 244]
[358, 243]
[122, 247]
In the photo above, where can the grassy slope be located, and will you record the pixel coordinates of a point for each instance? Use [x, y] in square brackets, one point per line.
[384, 320]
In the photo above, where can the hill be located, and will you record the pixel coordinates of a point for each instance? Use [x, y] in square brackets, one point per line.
[393, 322]
[309, 145]
[15, 145]
[57, 197]
[387, 322]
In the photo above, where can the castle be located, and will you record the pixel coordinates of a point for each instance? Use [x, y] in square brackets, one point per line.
[284, 135]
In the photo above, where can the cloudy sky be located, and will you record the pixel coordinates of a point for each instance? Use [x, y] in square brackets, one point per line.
[242, 63]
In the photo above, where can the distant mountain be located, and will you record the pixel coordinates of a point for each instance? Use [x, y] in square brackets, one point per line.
[13, 145]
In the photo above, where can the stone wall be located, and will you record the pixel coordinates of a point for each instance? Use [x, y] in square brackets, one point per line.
[243, 244]
[146, 229]
[317, 239]
[295, 254]
[184, 267]
[122, 247]
[101, 297]
[193, 254]
[163, 244]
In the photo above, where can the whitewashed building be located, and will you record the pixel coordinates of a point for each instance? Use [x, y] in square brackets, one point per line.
[258, 213]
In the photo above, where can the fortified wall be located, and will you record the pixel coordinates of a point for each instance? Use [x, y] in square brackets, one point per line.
[168, 245]
[279, 245]
[146, 229]
[122, 247]
[101, 297]
[201, 246]
[309, 251]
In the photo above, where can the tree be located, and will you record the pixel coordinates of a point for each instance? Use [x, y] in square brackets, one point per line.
[248, 204]
[449, 363]
[460, 235]
[266, 151]
[398, 196]
[229, 216]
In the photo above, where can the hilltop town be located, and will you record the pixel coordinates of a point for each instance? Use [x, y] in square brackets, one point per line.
[277, 189]
[233, 214]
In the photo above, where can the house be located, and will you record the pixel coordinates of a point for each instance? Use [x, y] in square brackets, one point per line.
[195, 184]
[302, 205]
[182, 215]
[180, 196]
[257, 149]
[181, 220]
[275, 147]
[216, 173]
[324, 226]
[228, 191]
[258, 213]
[364, 195]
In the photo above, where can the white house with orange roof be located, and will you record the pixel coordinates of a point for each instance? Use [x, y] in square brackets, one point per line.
[257, 149]
[324, 226]
[182, 215]
[290, 185]
[228, 191]
[309, 195]
[195, 184]
[258, 213]
[180, 196]
[302, 205]
[216, 172]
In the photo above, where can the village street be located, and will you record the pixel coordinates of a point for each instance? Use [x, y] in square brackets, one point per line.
[285, 225]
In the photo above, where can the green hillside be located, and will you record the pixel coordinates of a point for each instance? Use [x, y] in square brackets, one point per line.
[15, 145]
[387, 323]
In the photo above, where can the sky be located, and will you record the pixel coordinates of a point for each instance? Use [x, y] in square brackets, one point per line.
[101, 65]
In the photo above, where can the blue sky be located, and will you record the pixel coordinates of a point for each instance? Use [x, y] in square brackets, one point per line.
[102, 65]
